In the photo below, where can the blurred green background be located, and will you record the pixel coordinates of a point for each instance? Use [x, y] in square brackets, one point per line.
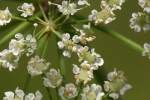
[115, 53]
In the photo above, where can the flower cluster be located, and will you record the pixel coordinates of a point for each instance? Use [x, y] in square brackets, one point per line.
[36, 66]
[20, 45]
[5, 16]
[27, 9]
[116, 84]
[140, 21]
[68, 92]
[19, 94]
[53, 78]
[106, 15]
[68, 8]
[92, 92]
[89, 59]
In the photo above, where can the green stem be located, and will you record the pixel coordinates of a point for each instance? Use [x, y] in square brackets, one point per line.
[19, 27]
[27, 81]
[19, 18]
[122, 38]
[80, 90]
[13, 32]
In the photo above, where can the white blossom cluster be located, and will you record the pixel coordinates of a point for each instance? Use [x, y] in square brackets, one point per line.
[106, 15]
[69, 91]
[27, 9]
[68, 8]
[116, 84]
[5, 16]
[19, 94]
[17, 47]
[37, 66]
[88, 58]
[53, 78]
[140, 21]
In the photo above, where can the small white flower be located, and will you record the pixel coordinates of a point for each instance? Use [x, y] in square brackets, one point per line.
[105, 16]
[83, 74]
[67, 8]
[32, 96]
[145, 4]
[93, 92]
[113, 4]
[53, 78]
[17, 95]
[93, 15]
[9, 59]
[83, 2]
[116, 84]
[68, 92]
[140, 21]
[5, 16]
[36, 66]
[27, 9]
[146, 51]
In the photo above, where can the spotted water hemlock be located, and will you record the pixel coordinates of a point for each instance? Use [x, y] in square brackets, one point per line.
[5, 16]
[19, 94]
[145, 4]
[92, 92]
[36, 66]
[68, 92]
[9, 59]
[53, 78]
[116, 84]
[27, 9]
[140, 22]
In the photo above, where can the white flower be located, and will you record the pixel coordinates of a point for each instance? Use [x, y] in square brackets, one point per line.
[32, 96]
[53, 78]
[27, 9]
[67, 44]
[67, 8]
[145, 4]
[91, 57]
[105, 16]
[68, 92]
[83, 74]
[36, 66]
[140, 21]
[17, 95]
[83, 2]
[9, 59]
[116, 84]
[93, 15]
[5, 16]
[146, 51]
[93, 92]
[113, 4]
[30, 44]
[22, 45]
[114, 95]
